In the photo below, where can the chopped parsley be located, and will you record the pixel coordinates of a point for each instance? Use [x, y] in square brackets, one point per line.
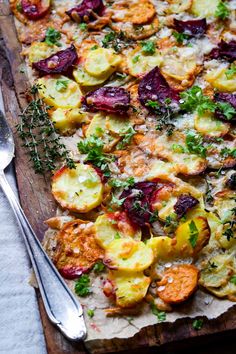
[117, 236]
[61, 85]
[194, 143]
[82, 286]
[193, 234]
[193, 99]
[83, 26]
[161, 315]
[226, 152]
[231, 71]
[135, 59]
[222, 11]
[116, 183]
[52, 37]
[233, 279]
[197, 324]
[90, 313]
[180, 37]
[126, 138]
[19, 7]
[117, 41]
[148, 47]
[94, 47]
[227, 109]
[116, 201]
[93, 147]
[98, 267]
[179, 149]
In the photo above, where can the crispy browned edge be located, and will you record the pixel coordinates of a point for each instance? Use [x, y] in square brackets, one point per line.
[38, 205]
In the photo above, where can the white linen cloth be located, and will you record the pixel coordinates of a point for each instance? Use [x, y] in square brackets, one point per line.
[20, 325]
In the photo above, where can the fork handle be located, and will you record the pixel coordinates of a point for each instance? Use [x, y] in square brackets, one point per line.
[60, 304]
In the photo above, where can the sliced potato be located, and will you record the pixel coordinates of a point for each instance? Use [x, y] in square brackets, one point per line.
[128, 255]
[178, 68]
[67, 120]
[111, 226]
[70, 97]
[218, 79]
[204, 8]
[137, 12]
[130, 288]
[117, 124]
[140, 63]
[178, 6]
[78, 189]
[160, 169]
[210, 126]
[76, 250]
[97, 125]
[84, 79]
[178, 283]
[162, 247]
[101, 62]
[40, 50]
[224, 203]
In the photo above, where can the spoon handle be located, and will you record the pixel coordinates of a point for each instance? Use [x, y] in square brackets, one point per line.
[60, 304]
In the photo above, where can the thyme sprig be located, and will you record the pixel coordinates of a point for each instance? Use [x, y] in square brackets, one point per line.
[39, 136]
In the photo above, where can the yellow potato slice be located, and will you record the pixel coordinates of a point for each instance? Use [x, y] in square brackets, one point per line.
[117, 124]
[130, 288]
[40, 50]
[204, 8]
[113, 226]
[101, 62]
[97, 125]
[69, 97]
[218, 79]
[84, 79]
[128, 255]
[138, 63]
[162, 247]
[67, 120]
[78, 189]
[178, 6]
[178, 68]
[210, 126]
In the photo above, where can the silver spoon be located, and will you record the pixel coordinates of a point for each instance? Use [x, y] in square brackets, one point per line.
[61, 306]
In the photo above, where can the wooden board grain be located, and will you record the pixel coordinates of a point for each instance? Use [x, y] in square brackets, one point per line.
[38, 205]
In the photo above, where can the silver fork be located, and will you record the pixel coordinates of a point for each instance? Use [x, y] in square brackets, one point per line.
[61, 306]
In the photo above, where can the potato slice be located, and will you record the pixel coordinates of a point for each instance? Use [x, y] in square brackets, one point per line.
[204, 8]
[192, 236]
[178, 6]
[101, 62]
[178, 283]
[40, 50]
[128, 255]
[218, 79]
[117, 124]
[78, 189]
[66, 121]
[113, 226]
[178, 68]
[76, 250]
[139, 63]
[84, 79]
[210, 126]
[162, 247]
[69, 97]
[130, 288]
[137, 12]
[224, 203]
[97, 125]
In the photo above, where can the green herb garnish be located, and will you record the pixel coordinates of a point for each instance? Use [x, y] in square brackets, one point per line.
[180, 37]
[61, 85]
[135, 59]
[193, 234]
[161, 315]
[52, 37]
[82, 286]
[222, 11]
[116, 183]
[197, 324]
[233, 279]
[90, 313]
[231, 71]
[83, 26]
[194, 143]
[98, 267]
[126, 138]
[148, 47]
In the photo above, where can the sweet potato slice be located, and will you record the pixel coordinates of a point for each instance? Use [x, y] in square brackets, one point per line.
[137, 12]
[77, 250]
[178, 283]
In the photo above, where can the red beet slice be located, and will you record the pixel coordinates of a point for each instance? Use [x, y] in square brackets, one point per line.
[57, 63]
[225, 50]
[225, 98]
[72, 272]
[108, 99]
[137, 202]
[193, 28]
[86, 11]
[154, 87]
[184, 203]
[34, 10]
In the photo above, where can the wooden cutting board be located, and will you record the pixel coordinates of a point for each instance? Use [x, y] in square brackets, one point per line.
[39, 205]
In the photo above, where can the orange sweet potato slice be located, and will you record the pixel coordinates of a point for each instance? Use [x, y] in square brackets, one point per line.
[137, 12]
[178, 283]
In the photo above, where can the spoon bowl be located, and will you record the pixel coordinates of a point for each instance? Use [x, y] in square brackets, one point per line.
[7, 146]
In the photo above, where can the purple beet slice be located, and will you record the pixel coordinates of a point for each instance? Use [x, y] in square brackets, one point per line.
[86, 11]
[184, 203]
[57, 63]
[154, 88]
[229, 98]
[108, 99]
[137, 202]
[34, 10]
[225, 50]
[193, 28]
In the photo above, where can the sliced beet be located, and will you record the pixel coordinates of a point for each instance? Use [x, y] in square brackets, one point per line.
[193, 28]
[108, 99]
[57, 63]
[137, 202]
[184, 203]
[154, 88]
[34, 10]
[229, 98]
[86, 11]
[225, 50]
